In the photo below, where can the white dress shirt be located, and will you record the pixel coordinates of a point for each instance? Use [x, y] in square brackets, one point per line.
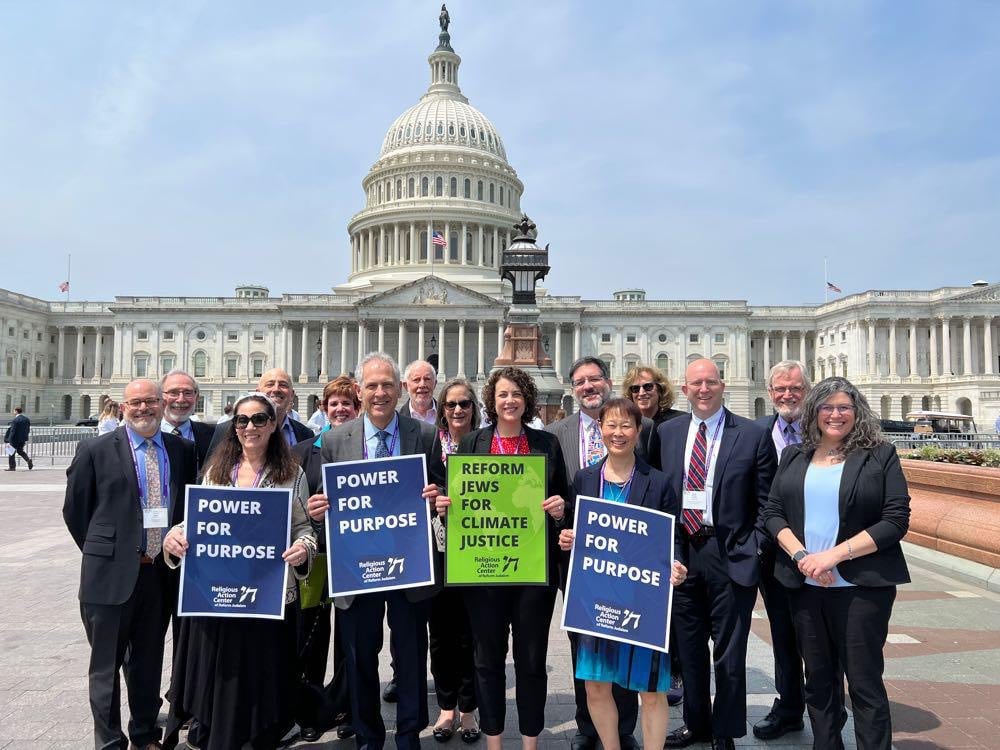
[714, 427]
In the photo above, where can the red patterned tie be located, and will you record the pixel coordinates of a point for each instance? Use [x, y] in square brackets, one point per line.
[691, 519]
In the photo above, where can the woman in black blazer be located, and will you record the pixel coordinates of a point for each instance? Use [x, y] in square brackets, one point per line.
[839, 507]
[509, 399]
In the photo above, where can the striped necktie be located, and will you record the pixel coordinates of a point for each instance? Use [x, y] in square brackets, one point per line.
[791, 435]
[692, 519]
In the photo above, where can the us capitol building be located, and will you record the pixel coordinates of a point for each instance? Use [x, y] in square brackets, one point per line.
[442, 169]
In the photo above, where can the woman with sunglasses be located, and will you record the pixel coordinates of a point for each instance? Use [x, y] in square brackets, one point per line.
[838, 507]
[650, 390]
[236, 677]
[450, 641]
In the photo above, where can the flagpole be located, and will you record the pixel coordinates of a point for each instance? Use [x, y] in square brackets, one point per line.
[826, 282]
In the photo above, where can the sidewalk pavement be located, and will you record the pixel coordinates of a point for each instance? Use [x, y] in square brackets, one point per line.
[942, 659]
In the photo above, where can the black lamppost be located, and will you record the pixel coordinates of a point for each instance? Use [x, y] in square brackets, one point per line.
[524, 264]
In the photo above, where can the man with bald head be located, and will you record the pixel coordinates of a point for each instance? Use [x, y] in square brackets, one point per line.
[123, 490]
[719, 468]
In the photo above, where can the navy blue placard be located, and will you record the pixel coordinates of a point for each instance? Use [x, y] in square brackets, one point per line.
[233, 565]
[619, 575]
[378, 531]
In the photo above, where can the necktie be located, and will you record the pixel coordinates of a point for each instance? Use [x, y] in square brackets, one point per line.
[692, 519]
[176, 431]
[382, 449]
[595, 444]
[791, 436]
[154, 497]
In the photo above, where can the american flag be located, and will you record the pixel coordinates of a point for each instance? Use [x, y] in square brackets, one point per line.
[438, 239]
[833, 287]
[64, 287]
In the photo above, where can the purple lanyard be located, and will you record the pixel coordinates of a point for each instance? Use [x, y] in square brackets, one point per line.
[708, 453]
[236, 471]
[499, 443]
[164, 475]
[627, 482]
[392, 445]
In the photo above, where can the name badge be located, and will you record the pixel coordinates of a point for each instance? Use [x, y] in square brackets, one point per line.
[154, 518]
[695, 500]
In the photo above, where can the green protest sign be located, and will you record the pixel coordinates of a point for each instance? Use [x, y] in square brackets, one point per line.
[496, 528]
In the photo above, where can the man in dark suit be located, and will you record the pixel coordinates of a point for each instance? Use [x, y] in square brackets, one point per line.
[180, 397]
[381, 432]
[787, 386]
[720, 466]
[419, 381]
[277, 384]
[17, 436]
[582, 446]
[123, 490]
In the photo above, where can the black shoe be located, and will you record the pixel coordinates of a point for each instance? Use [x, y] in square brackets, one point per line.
[723, 743]
[445, 732]
[391, 692]
[10, 469]
[31, 464]
[310, 734]
[628, 742]
[683, 737]
[345, 731]
[580, 741]
[773, 726]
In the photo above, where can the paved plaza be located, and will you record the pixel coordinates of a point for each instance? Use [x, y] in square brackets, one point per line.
[942, 659]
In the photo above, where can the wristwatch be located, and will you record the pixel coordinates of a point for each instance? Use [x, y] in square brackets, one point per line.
[799, 555]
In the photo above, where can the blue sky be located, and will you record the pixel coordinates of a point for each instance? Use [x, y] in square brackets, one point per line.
[698, 150]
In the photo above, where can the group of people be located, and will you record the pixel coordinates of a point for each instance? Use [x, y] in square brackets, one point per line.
[817, 534]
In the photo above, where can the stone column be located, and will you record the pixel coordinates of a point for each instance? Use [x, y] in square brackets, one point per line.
[933, 354]
[78, 362]
[446, 250]
[946, 368]
[784, 345]
[966, 345]
[381, 335]
[496, 247]
[460, 370]
[576, 342]
[430, 245]
[413, 242]
[61, 351]
[767, 357]
[802, 347]
[401, 344]
[98, 352]
[354, 254]
[913, 369]
[361, 341]
[893, 366]
[324, 372]
[396, 254]
[481, 352]
[989, 363]
[304, 355]
[482, 250]
[441, 363]
[871, 348]
[284, 363]
[462, 247]
[558, 359]
[420, 339]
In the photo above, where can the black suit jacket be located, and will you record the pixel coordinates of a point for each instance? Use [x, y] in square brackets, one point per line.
[873, 497]
[222, 429]
[345, 442]
[742, 479]
[649, 489]
[103, 512]
[546, 444]
[17, 431]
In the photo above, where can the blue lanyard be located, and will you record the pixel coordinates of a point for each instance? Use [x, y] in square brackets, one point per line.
[392, 445]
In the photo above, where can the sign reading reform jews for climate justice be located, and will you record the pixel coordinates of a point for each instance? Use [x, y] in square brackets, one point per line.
[619, 574]
[233, 566]
[378, 530]
[496, 528]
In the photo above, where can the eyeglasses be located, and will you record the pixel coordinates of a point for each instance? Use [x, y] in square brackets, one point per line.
[178, 392]
[465, 404]
[707, 383]
[839, 408]
[593, 380]
[136, 403]
[781, 390]
[259, 420]
[647, 387]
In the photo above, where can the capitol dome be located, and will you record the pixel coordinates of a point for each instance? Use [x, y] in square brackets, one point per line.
[441, 198]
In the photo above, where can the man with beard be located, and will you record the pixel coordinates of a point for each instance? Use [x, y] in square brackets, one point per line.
[180, 396]
[419, 381]
[582, 445]
[124, 489]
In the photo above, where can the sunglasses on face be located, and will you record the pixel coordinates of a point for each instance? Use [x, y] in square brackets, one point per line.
[259, 420]
[647, 387]
[465, 404]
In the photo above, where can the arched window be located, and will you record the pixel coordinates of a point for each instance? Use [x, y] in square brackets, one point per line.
[479, 190]
[468, 188]
[416, 131]
[439, 186]
[379, 193]
[423, 187]
[410, 186]
[453, 247]
[399, 189]
[422, 253]
[451, 130]
[663, 364]
[492, 193]
[461, 131]
[440, 128]
[468, 246]
[501, 195]
[453, 187]
[408, 131]
[199, 364]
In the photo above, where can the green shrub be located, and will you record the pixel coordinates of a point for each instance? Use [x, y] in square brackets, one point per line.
[967, 456]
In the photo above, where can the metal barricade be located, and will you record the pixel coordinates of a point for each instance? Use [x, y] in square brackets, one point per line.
[57, 444]
[959, 440]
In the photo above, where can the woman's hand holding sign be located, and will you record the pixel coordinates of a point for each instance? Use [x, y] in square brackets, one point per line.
[555, 506]
[317, 506]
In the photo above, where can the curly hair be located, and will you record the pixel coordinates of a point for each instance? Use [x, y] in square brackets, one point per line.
[663, 385]
[866, 432]
[278, 461]
[343, 386]
[442, 421]
[519, 378]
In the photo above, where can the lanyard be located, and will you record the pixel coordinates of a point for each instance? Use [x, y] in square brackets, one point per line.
[392, 445]
[624, 486]
[164, 478]
[499, 443]
[256, 479]
[709, 452]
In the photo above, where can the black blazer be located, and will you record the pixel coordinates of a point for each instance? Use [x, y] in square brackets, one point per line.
[300, 431]
[742, 479]
[104, 515]
[203, 434]
[873, 498]
[17, 431]
[649, 489]
[546, 444]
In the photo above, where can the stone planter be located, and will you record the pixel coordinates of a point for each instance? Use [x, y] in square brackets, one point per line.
[955, 509]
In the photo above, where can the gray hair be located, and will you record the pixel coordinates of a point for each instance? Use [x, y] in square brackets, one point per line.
[866, 432]
[377, 357]
[785, 366]
[415, 363]
[159, 390]
[601, 365]
[185, 373]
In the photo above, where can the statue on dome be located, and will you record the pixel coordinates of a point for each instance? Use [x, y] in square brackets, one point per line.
[444, 19]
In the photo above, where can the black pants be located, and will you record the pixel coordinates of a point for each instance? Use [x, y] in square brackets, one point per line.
[128, 635]
[788, 681]
[451, 651]
[496, 612]
[709, 604]
[18, 451]
[845, 629]
[362, 641]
